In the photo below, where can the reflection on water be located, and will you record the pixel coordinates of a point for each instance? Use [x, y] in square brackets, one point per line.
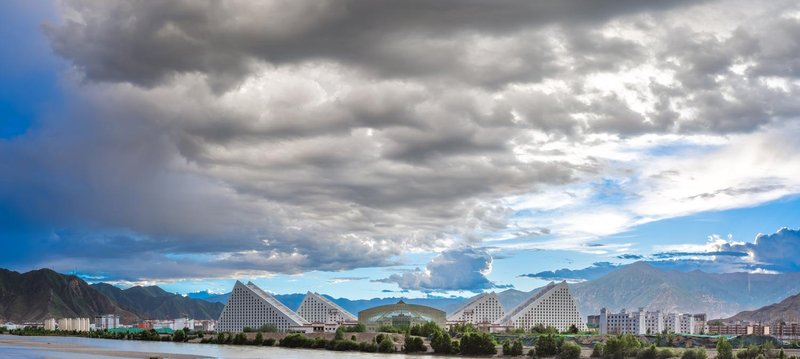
[206, 350]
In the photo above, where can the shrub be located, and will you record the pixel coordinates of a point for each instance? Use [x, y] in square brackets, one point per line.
[386, 345]
[358, 328]
[620, 347]
[665, 353]
[268, 328]
[269, 342]
[239, 339]
[569, 350]
[597, 352]
[694, 354]
[296, 340]
[369, 347]
[345, 345]
[477, 344]
[259, 338]
[319, 343]
[339, 334]
[648, 353]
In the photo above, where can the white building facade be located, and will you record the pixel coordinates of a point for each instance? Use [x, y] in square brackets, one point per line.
[642, 322]
[50, 324]
[639, 322]
[680, 323]
[74, 324]
[552, 305]
[323, 314]
[107, 321]
[249, 306]
[481, 311]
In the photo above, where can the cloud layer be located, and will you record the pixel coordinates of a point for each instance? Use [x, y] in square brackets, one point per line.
[457, 269]
[214, 139]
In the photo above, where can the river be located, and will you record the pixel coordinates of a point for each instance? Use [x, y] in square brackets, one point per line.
[19, 347]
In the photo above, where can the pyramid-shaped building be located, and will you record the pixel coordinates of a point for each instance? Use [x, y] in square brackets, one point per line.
[481, 310]
[249, 306]
[315, 308]
[553, 305]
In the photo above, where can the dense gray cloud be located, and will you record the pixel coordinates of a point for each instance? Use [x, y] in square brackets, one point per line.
[144, 42]
[285, 136]
[457, 269]
[594, 271]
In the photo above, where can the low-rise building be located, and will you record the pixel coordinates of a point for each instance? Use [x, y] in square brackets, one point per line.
[50, 324]
[737, 329]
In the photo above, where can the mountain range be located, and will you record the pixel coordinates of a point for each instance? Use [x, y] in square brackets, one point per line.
[43, 293]
[788, 310]
[36, 295]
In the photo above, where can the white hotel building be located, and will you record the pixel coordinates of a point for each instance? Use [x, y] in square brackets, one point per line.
[249, 306]
[481, 310]
[323, 314]
[553, 305]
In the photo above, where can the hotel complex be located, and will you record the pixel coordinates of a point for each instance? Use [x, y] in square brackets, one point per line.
[249, 306]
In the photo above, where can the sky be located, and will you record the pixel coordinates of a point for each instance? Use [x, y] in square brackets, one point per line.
[397, 148]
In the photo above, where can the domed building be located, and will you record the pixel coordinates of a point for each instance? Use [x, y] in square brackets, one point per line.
[400, 314]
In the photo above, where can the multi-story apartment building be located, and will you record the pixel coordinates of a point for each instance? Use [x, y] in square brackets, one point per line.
[642, 322]
[107, 321]
[74, 324]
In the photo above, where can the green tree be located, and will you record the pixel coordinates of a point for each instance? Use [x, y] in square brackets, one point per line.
[339, 334]
[259, 338]
[179, 336]
[477, 344]
[414, 344]
[548, 345]
[441, 343]
[512, 347]
[724, 349]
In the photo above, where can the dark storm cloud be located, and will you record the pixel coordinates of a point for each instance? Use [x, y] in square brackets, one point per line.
[143, 42]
